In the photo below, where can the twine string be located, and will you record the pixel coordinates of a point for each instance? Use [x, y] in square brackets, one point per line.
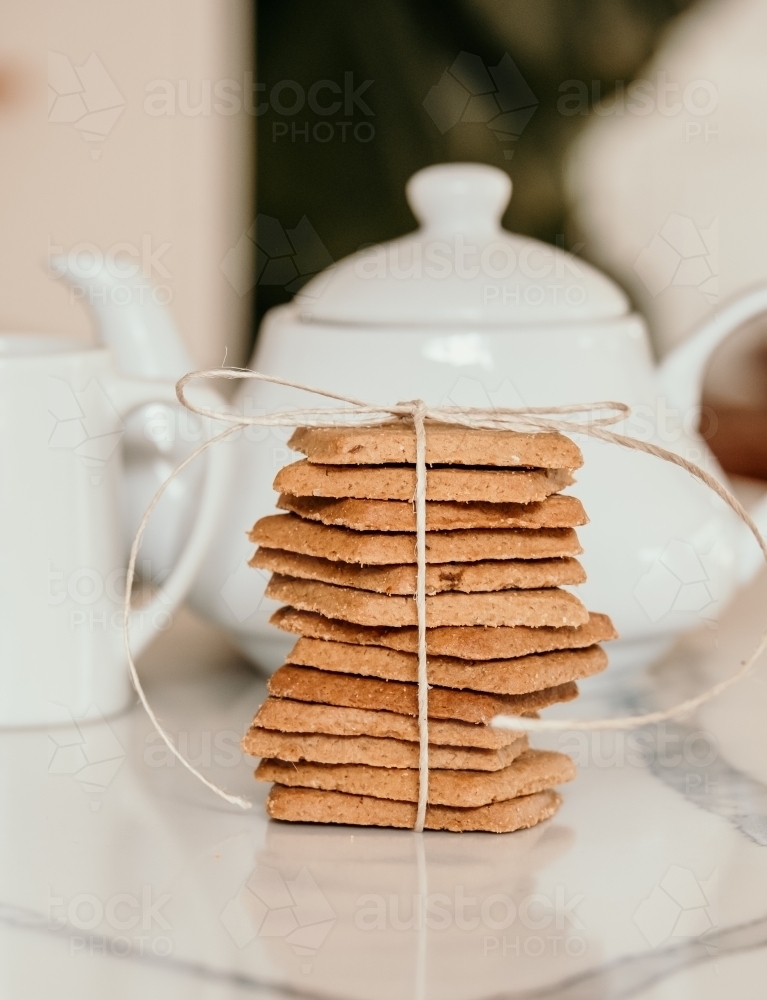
[688, 706]
[419, 408]
[236, 800]
[591, 419]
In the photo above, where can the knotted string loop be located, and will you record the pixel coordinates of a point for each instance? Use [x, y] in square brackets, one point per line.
[591, 419]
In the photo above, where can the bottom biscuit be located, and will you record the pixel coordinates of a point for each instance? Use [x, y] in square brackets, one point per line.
[532, 771]
[309, 805]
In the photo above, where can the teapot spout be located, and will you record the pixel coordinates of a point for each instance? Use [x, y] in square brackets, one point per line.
[144, 340]
[129, 318]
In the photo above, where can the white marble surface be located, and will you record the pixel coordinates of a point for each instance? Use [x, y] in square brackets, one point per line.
[122, 877]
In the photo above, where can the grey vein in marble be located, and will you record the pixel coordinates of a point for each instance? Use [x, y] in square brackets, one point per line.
[717, 787]
[619, 980]
[722, 789]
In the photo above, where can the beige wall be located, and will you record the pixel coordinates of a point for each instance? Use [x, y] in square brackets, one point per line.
[175, 179]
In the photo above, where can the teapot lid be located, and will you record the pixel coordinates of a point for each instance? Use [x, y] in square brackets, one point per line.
[460, 267]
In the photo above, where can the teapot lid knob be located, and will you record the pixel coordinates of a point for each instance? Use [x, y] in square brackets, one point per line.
[460, 267]
[467, 198]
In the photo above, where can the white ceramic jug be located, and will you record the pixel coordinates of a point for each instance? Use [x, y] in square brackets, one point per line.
[62, 551]
[465, 312]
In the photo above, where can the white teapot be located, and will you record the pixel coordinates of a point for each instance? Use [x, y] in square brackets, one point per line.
[462, 311]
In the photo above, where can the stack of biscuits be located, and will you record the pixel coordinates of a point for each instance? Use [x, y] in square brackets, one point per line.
[338, 734]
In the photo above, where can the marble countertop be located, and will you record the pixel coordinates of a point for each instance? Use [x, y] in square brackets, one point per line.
[123, 877]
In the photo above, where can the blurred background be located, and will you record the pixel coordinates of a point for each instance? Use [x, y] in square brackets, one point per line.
[234, 150]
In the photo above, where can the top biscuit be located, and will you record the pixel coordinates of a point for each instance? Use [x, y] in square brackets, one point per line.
[445, 444]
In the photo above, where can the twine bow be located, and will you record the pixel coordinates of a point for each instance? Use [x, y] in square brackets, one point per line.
[593, 420]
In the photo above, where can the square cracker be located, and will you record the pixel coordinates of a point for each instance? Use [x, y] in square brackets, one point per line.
[322, 687]
[398, 482]
[549, 607]
[476, 643]
[465, 577]
[287, 716]
[375, 751]
[445, 444]
[296, 534]
[514, 676]
[309, 805]
[556, 511]
[533, 771]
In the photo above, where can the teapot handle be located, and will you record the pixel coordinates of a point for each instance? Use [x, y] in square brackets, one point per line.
[127, 394]
[680, 377]
[681, 382]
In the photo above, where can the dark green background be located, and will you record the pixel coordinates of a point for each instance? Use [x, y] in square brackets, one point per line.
[352, 193]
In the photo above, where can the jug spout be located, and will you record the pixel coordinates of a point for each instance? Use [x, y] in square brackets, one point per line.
[139, 330]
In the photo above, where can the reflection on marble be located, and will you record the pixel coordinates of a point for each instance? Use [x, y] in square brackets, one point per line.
[127, 878]
[481, 895]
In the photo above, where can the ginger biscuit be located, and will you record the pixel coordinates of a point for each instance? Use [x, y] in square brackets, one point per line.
[446, 444]
[309, 805]
[516, 676]
[322, 748]
[295, 534]
[533, 771]
[303, 717]
[536, 608]
[323, 687]
[475, 643]
[465, 577]
[556, 511]
[398, 482]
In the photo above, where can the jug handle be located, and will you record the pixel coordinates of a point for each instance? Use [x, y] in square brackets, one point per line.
[680, 380]
[126, 395]
[681, 373]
